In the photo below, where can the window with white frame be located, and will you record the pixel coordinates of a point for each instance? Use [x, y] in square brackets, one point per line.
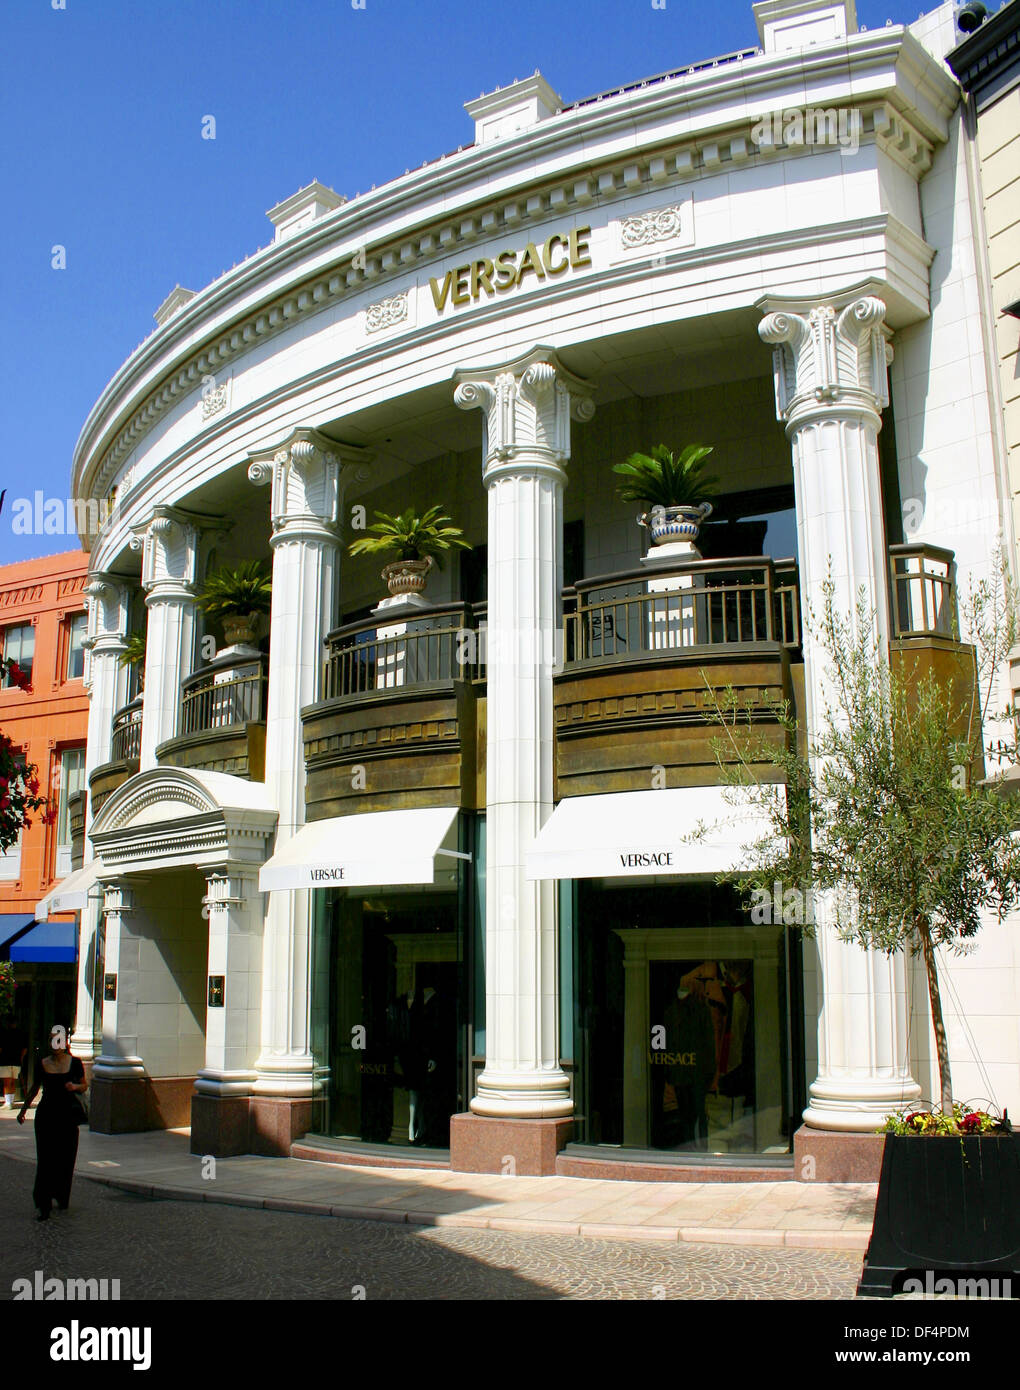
[19, 646]
[72, 779]
[10, 860]
[76, 628]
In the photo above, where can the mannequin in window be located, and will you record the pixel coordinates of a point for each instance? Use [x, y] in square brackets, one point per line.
[690, 1066]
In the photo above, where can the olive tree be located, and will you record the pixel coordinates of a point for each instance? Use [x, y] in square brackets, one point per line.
[883, 807]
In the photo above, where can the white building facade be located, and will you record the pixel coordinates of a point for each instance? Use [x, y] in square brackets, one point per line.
[422, 876]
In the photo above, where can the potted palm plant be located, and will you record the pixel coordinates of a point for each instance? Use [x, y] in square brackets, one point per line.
[674, 488]
[133, 656]
[236, 598]
[417, 542]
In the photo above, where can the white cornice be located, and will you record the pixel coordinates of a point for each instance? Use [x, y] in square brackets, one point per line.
[305, 272]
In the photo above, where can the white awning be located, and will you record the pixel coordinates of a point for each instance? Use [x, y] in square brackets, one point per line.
[376, 849]
[71, 894]
[627, 834]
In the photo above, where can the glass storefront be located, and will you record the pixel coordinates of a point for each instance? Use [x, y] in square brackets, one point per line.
[682, 1031]
[388, 1011]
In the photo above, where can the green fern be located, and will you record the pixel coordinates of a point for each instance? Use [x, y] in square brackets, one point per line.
[410, 536]
[134, 650]
[229, 593]
[660, 479]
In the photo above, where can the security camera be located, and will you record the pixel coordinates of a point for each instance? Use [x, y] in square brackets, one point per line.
[971, 17]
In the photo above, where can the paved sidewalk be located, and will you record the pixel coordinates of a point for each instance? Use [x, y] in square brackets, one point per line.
[820, 1216]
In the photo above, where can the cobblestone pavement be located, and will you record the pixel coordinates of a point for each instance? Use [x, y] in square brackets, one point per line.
[181, 1250]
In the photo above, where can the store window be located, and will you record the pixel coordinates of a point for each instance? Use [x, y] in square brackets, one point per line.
[682, 1021]
[388, 1008]
[76, 628]
[19, 646]
[72, 780]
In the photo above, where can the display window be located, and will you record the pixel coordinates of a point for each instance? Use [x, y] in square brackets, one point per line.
[388, 1012]
[682, 1021]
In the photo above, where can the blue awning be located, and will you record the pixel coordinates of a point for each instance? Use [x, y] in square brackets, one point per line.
[12, 925]
[47, 941]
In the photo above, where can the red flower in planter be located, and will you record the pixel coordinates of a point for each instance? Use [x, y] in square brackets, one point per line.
[970, 1124]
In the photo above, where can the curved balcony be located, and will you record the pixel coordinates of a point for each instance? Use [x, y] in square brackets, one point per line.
[647, 654]
[223, 713]
[126, 744]
[125, 749]
[399, 721]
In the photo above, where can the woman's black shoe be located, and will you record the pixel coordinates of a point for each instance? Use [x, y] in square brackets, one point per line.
[43, 1216]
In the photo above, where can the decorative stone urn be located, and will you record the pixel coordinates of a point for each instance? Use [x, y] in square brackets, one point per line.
[239, 629]
[407, 576]
[668, 525]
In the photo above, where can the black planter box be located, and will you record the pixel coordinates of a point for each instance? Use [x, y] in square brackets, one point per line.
[946, 1204]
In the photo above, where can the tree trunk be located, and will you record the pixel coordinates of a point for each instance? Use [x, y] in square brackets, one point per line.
[938, 1023]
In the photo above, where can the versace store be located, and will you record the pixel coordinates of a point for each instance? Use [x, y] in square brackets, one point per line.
[436, 862]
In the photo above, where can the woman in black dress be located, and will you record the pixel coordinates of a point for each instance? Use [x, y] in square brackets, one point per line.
[62, 1078]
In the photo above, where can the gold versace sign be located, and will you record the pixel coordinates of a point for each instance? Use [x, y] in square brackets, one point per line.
[563, 251]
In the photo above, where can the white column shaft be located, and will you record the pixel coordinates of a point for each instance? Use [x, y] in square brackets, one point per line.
[830, 370]
[233, 907]
[169, 657]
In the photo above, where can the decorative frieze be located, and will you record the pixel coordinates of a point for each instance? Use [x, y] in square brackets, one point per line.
[214, 397]
[386, 313]
[661, 224]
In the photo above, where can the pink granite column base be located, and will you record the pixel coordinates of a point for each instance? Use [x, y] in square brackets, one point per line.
[276, 1122]
[823, 1155]
[521, 1148]
[220, 1125]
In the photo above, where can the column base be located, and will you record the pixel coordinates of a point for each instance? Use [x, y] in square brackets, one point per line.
[220, 1125]
[226, 1126]
[513, 1147]
[821, 1155]
[137, 1104]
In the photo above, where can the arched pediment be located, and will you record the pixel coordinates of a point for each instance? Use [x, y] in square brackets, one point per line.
[172, 816]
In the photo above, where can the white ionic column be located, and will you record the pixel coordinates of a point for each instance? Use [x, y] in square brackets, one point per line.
[107, 685]
[306, 496]
[233, 906]
[528, 406]
[830, 365]
[169, 546]
[119, 1059]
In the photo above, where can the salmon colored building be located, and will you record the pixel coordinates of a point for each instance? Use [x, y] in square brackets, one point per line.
[42, 628]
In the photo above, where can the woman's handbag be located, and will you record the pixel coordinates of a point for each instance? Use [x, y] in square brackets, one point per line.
[81, 1108]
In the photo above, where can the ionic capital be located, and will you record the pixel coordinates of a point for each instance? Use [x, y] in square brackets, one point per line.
[107, 600]
[169, 542]
[528, 406]
[828, 358]
[309, 473]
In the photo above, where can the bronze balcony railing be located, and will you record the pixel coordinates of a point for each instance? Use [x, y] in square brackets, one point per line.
[369, 657]
[219, 696]
[699, 604]
[922, 592]
[127, 732]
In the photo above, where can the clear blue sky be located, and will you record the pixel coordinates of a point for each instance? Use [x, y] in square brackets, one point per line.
[102, 105]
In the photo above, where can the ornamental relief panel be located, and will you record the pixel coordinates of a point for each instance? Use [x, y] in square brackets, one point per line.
[389, 312]
[655, 230]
